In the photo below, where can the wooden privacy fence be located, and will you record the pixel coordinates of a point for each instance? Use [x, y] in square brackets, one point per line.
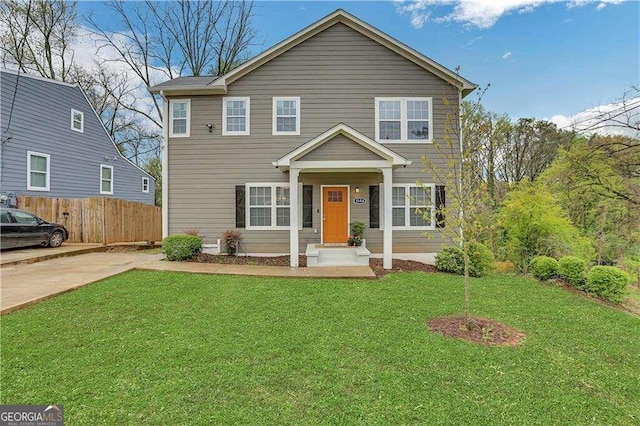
[98, 219]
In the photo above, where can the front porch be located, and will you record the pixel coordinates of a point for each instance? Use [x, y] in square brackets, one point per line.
[319, 157]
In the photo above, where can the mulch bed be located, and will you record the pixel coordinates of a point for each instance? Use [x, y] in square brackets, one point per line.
[483, 331]
[246, 260]
[128, 247]
[400, 266]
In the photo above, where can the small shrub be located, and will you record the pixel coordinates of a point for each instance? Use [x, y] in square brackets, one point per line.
[181, 246]
[451, 259]
[357, 228]
[572, 269]
[231, 239]
[194, 232]
[608, 282]
[544, 267]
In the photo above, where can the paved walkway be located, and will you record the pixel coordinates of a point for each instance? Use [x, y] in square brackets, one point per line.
[258, 270]
[25, 284]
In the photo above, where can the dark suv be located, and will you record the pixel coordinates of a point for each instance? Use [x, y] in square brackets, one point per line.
[22, 229]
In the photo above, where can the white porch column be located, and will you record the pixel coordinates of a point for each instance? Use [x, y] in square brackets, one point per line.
[293, 216]
[387, 236]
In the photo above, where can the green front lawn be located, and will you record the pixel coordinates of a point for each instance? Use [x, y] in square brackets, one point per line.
[172, 348]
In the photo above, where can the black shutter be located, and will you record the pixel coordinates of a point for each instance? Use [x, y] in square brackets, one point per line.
[440, 205]
[240, 214]
[374, 206]
[307, 206]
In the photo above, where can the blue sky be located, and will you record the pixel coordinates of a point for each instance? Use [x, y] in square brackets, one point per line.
[542, 58]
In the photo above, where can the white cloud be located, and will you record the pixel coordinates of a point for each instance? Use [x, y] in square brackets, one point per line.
[478, 13]
[620, 118]
[506, 55]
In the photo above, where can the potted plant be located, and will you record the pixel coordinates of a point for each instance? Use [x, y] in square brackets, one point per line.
[231, 239]
[357, 229]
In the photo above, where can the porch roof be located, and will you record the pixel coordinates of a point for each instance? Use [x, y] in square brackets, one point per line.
[388, 158]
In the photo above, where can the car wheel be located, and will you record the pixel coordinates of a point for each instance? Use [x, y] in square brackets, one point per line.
[56, 239]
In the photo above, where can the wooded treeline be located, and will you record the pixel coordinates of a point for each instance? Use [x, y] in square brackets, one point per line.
[543, 190]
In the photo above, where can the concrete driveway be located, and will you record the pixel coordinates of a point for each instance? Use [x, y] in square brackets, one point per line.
[25, 284]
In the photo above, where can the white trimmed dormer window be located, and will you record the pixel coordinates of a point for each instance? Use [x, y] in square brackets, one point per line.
[235, 116]
[145, 185]
[77, 120]
[180, 118]
[38, 176]
[106, 179]
[286, 116]
[406, 120]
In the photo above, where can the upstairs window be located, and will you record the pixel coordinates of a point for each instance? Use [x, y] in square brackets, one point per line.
[235, 116]
[286, 116]
[413, 207]
[37, 171]
[180, 118]
[406, 120]
[145, 185]
[77, 121]
[106, 179]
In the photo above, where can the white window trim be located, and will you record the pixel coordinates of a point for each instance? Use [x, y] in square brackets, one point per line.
[226, 132]
[404, 137]
[48, 172]
[247, 206]
[172, 102]
[145, 183]
[81, 129]
[274, 118]
[106, 166]
[407, 206]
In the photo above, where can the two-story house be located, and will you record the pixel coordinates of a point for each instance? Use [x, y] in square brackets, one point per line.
[55, 145]
[326, 128]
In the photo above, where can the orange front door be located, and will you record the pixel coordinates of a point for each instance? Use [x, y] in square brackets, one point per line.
[335, 214]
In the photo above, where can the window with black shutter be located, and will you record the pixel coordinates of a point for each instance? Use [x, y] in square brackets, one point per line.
[440, 205]
[307, 206]
[240, 206]
[374, 206]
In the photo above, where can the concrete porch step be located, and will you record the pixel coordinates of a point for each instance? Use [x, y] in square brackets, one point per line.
[318, 255]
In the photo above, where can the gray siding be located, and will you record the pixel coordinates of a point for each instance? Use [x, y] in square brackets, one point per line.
[337, 75]
[340, 147]
[41, 122]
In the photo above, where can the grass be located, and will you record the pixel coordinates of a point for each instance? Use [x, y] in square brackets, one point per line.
[171, 348]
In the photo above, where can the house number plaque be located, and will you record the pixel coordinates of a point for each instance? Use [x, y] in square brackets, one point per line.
[359, 201]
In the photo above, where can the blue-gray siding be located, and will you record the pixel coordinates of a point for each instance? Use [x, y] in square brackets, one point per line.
[41, 122]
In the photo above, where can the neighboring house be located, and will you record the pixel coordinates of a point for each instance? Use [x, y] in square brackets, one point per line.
[54, 145]
[325, 128]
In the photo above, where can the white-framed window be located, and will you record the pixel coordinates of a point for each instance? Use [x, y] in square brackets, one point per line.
[106, 179]
[145, 185]
[236, 116]
[38, 167]
[408, 120]
[268, 206]
[77, 120]
[286, 115]
[413, 206]
[179, 118]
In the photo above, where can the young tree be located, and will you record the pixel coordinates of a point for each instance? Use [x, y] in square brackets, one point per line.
[466, 193]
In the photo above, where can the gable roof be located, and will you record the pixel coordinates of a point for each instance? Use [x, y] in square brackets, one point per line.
[351, 133]
[219, 85]
[76, 86]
